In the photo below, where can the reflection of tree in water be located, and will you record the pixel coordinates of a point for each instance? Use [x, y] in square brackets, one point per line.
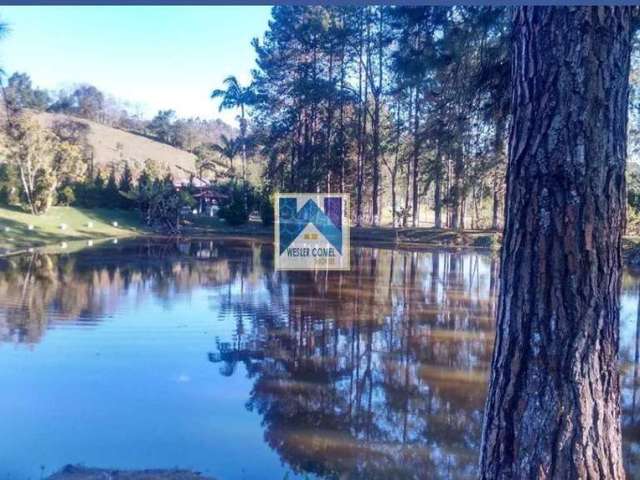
[630, 381]
[39, 290]
[374, 373]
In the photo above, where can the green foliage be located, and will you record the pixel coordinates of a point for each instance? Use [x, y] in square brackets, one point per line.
[144, 180]
[341, 96]
[234, 212]
[66, 196]
[160, 204]
[101, 194]
[126, 179]
[87, 195]
[112, 195]
[85, 101]
[265, 205]
[43, 158]
[99, 181]
[44, 187]
[633, 185]
[9, 185]
[235, 95]
[633, 220]
[162, 126]
[228, 148]
[241, 200]
[19, 94]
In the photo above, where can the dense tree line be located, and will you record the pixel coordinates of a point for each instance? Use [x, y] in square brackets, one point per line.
[403, 107]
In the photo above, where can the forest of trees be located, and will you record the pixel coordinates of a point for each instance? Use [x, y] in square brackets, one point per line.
[405, 108]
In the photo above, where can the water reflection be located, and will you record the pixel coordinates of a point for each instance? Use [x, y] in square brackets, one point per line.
[376, 373]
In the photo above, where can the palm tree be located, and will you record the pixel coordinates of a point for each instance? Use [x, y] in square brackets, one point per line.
[237, 96]
[227, 148]
[210, 157]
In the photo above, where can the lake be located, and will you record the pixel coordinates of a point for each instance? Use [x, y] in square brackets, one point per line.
[157, 354]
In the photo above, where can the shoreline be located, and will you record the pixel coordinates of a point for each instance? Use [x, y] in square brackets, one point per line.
[80, 472]
[412, 239]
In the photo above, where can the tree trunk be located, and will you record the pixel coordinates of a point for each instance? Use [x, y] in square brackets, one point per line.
[495, 205]
[416, 153]
[243, 135]
[553, 404]
[437, 194]
[376, 91]
[407, 184]
[457, 213]
[375, 154]
[498, 147]
[362, 125]
[341, 115]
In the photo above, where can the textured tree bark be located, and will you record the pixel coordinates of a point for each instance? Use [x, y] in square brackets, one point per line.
[553, 404]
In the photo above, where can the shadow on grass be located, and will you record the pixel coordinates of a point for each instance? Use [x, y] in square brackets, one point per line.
[15, 235]
[127, 219]
[19, 236]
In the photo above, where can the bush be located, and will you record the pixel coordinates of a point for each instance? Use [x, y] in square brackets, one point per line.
[99, 195]
[633, 221]
[240, 202]
[10, 190]
[160, 205]
[87, 195]
[44, 191]
[66, 196]
[266, 208]
[234, 212]
[10, 195]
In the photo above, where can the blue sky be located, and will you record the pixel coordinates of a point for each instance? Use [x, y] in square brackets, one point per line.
[156, 57]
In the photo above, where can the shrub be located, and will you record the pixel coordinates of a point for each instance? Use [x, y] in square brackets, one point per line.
[87, 195]
[44, 190]
[160, 205]
[10, 190]
[266, 208]
[633, 221]
[241, 201]
[234, 211]
[66, 196]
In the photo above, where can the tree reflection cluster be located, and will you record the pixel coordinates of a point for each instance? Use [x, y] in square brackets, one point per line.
[376, 373]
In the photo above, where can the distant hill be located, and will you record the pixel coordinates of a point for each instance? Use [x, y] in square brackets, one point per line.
[112, 145]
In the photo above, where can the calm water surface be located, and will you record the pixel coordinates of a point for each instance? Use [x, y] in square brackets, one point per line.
[198, 355]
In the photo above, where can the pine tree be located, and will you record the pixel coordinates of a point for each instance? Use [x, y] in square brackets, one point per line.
[126, 179]
[553, 409]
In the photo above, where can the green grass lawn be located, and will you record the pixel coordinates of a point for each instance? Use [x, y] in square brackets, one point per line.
[79, 224]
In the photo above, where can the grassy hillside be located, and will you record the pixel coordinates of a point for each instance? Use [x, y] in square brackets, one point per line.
[113, 145]
[79, 224]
